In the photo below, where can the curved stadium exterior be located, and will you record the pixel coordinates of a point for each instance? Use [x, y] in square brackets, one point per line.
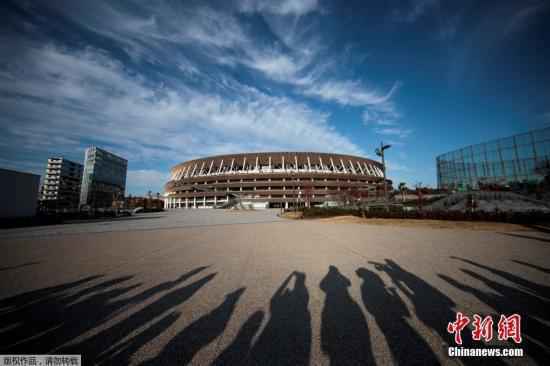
[269, 179]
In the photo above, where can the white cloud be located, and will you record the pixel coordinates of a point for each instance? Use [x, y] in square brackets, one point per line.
[83, 94]
[155, 32]
[158, 35]
[394, 131]
[414, 11]
[524, 16]
[379, 117]
[349, 93]
[282, 7]
[275, 65]
[188, 68]
[393, 166]
[87, 93]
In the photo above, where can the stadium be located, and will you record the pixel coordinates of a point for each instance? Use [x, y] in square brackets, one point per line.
[272, 179]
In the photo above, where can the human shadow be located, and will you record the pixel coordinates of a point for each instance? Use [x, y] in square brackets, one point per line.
[286, 338]
[13, 303]
[50, 319]
[238, 350]
[431, 306]
[121, 354]
[537, 238]
[32, 313]
[508, 300]
[98, 345]
[344, 332]
[9, 268]
[391, 313]
[539, 268]
[538, 289]
[113, 219]
[543, 228]
[184, 346]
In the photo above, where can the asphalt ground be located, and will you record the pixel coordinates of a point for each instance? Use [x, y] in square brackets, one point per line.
[222, 287]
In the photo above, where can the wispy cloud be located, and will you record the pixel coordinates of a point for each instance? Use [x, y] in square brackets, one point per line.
[274, 64]
[413, 10]
[381, 114]
[393, 166]
[295, 57]
[394, 131]
[349, 93]
[448, 27]
[182, 96]
[488, 36]
[379, 109]
[86, 93]
[521, 18]
[283, 7]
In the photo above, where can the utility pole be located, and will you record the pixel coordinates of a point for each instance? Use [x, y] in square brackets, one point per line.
[380, 152]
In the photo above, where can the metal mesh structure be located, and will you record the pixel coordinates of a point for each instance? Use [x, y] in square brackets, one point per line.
[519, 158]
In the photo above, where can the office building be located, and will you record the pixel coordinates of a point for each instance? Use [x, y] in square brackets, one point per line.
[104, 178]
[61, 185]
[522, 158]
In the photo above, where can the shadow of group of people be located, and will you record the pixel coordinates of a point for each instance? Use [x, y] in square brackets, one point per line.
[56, 316]
[513, 294]
[345, 336]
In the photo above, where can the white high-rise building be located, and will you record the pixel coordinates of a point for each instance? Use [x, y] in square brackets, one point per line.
[61, 185]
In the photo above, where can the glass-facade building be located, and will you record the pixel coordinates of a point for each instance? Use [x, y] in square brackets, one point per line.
[516, 159]
[104, 178]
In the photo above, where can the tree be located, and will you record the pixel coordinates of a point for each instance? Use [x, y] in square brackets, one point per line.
[339, 198]
[418, 187]
[402, 187]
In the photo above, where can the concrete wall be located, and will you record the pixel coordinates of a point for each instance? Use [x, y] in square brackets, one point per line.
[18, 193]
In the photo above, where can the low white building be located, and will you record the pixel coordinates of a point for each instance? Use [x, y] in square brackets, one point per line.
[19, 193]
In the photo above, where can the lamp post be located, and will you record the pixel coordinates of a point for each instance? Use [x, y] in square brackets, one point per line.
[380, 152]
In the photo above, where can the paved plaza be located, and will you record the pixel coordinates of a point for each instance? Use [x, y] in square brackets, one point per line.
[246, 287]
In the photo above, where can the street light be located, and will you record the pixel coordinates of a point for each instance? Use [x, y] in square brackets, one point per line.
[380, 152]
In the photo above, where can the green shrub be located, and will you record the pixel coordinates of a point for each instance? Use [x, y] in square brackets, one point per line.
[320, 212]
[510, 217]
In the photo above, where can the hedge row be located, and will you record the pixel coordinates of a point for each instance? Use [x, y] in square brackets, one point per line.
[43, 219]
[510, 217]
[7, 223]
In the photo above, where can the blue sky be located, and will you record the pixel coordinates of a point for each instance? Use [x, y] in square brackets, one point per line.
[163, 82]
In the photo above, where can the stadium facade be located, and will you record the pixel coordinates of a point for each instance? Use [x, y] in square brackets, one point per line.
[270, 179]
[507, 161]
